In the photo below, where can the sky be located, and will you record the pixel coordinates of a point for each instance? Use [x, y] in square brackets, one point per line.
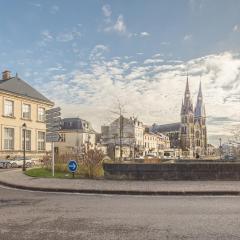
[88, 55]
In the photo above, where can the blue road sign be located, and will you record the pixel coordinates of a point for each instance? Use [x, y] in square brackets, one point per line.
[72, 166]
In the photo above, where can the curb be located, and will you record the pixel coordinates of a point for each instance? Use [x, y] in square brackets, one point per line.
[123, 192]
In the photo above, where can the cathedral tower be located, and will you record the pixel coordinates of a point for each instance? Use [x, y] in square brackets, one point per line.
[187, 124]
[200, 130]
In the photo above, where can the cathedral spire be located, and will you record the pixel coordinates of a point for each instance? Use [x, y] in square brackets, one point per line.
[187, 104]
[200, 90]
[187, 86]
[200, 108]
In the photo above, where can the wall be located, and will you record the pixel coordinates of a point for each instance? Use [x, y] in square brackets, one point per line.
[16, 122]
[176, 171]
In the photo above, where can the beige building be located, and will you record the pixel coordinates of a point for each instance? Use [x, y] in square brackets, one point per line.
[77, 136]
[19, 104]
[155, 144]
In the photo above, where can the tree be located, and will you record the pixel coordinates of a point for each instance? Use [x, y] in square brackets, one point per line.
[93, 161]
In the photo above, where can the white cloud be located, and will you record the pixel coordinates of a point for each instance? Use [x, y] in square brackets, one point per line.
[106, 9]
[236, 28]
[187, 37]
[120, 25]
[145, 34]
[68, 36]
[47, 35]
[152, 91]
[151, 61]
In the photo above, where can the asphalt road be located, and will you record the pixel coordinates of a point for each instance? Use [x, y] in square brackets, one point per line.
[36, 215]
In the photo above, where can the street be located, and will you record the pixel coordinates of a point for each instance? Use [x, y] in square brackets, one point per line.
[36, 215]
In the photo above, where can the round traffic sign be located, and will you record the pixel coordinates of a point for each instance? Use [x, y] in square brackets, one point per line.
[72, 166]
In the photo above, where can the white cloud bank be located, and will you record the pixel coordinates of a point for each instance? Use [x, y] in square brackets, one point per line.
[152, 89]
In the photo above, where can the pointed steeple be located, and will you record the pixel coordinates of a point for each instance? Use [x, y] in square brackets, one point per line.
[182, 108]
[200, 90]
[200, 108]
[187, 104]
[187, 86]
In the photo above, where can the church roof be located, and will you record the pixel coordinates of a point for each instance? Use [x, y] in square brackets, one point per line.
[17, 86]
[172, 127]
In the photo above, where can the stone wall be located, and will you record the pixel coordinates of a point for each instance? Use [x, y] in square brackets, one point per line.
[173, 171]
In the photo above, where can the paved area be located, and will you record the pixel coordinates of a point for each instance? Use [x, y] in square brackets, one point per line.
[58, 216]
[16, 178]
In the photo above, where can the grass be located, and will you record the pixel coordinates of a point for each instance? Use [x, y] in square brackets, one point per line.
[61, 172]
[45, 173]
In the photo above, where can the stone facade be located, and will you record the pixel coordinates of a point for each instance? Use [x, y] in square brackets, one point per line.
[193, 130]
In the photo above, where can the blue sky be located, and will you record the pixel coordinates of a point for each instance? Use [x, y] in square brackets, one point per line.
[85, 54]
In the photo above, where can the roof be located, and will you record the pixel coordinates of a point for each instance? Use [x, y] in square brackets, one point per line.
[77, 124]
[172, 127]
[17, 86]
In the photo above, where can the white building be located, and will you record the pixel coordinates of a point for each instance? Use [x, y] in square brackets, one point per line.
[77, 135]
[126, 134]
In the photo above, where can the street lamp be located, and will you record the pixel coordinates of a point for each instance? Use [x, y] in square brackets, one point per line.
[220, 148]
[24, 126]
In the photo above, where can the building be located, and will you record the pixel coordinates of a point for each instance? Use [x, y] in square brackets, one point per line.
[171, 131]
[77, 135]
[155, 144]
[133, 138]
[193, 131]
[190, 134]
[124, 136]
[21, 104]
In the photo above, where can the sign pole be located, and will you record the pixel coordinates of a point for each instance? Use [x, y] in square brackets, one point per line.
[53, 160]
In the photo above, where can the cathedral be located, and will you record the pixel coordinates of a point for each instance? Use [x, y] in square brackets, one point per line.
[190, 134]
[193, 131]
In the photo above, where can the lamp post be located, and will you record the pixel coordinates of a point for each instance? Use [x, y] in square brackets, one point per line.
[24, 126]
[220, 148]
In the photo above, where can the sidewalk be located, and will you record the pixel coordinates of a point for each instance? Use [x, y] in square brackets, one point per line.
[16, 179]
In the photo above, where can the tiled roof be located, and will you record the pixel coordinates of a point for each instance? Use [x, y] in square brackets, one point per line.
[18, 86]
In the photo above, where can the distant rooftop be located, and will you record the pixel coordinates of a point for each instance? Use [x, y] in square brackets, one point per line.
[77, 124]
[171, 127]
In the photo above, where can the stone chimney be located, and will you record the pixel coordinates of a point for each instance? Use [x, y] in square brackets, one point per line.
[6, 75]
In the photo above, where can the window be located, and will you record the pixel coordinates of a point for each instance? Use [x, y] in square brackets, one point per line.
[41, 114]
[63, 137]
[27, 140]
[41, 141]
[26, 111]
[8, 138]
[8, 108]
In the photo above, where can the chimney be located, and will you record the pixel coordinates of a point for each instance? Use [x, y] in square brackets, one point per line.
[6, 75]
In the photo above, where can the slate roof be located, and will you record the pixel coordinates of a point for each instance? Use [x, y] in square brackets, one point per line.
[17, 86]
[172, 127]
[77, 124]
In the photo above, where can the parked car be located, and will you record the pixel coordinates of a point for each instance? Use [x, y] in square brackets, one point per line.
[18, 162]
